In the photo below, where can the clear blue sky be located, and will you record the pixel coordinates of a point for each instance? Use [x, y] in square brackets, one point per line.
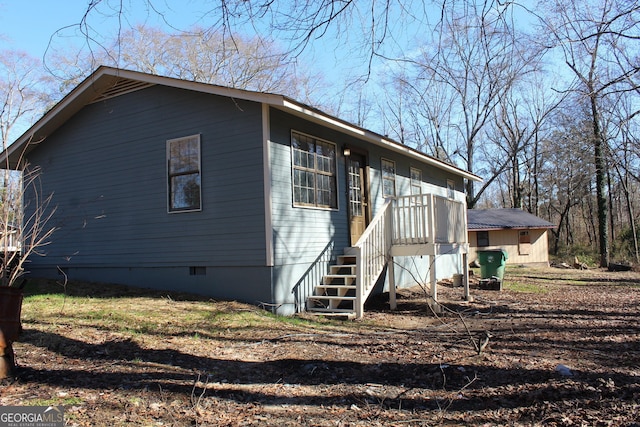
[30, 25]
[22, 28]
[34, 26]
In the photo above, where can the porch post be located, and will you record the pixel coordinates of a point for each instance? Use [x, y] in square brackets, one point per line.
[392, 284]
[434, 285]
[465, 276]
[431, 226]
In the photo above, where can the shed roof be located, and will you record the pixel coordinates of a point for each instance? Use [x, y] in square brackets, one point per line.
[106, 82]
[499, 219]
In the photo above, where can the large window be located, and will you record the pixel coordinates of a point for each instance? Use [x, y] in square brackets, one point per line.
[183, 169]
[388, 178]
[314, 172]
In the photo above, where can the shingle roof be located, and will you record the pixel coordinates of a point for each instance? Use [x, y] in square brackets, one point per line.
[496, 219]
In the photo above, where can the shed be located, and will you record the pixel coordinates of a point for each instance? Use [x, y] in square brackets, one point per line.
[524, 236]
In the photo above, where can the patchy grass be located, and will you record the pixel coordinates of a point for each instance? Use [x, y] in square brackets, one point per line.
[550, 277]
[56, 401]
[147, 312]
[529, 288]
[138, 357]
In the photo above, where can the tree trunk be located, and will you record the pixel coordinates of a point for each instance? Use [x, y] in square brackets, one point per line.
[632, 223]
[601, 197]
[557, 233]
[516, 199]
[536, 185]
[471, 202]
[613, 210]
[624, 183]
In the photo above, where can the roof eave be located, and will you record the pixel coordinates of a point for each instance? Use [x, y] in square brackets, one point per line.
[90, 88]
[523, 227]
[104, 77]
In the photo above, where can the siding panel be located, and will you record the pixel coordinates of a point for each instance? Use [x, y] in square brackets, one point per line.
[306, 240]
[107, 169]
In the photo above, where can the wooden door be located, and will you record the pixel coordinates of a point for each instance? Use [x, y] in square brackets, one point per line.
[524, 243]
[358, 209]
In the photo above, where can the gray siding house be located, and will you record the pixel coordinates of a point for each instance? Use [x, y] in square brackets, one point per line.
[177, 185]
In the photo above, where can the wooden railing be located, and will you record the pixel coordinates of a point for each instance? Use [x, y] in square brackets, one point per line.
[426, 218]
[412, 219]
[406, 220]
[372, 252]
[450, 218]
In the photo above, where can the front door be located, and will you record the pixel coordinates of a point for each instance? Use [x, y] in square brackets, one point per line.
[358, 210]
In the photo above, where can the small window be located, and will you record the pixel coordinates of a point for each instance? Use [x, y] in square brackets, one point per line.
[483, 238]
[183, 169]
[524, 243]
[416, 181]
[451, 189]
[314, 172]
[388, 178]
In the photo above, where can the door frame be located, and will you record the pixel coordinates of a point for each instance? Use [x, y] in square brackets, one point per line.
[366, 190]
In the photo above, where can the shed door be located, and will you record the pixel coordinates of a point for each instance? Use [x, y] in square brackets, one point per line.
[524, 243]
[358, 210]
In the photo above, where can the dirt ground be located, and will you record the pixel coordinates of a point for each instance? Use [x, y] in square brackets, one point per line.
[563, 350]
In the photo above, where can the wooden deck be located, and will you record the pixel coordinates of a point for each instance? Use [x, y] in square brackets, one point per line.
[420, 225]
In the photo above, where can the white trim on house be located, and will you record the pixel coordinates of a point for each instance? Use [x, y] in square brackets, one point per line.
[384, 178]
[316, 171]
[266, 169]
[169, 175]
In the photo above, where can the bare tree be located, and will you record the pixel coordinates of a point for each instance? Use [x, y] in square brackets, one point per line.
[196, 55]
[22, 97]
[23, 235]
[592, 37]
[625, 162]
[462, 74]
[369, 25]
[522, 120]
[565, 175]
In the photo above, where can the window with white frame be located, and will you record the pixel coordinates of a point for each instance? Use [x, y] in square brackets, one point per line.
[388, 178]
[314, 172]
[416, 181]
[451, 189]
[183, 170]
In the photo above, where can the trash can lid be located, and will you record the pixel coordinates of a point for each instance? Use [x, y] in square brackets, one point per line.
[495, 251]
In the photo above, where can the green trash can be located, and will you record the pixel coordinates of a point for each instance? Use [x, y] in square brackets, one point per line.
[492, 263]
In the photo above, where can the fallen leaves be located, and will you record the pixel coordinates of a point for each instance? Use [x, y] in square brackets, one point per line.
[393, 368]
